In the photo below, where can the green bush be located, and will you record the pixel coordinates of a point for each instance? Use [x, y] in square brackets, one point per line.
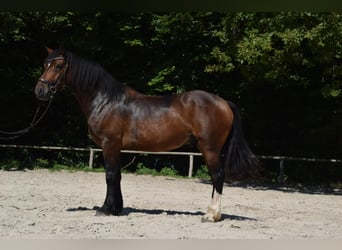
[41, 163]
[168, 171]
[202, 172]
[11, 165]
[142, 169]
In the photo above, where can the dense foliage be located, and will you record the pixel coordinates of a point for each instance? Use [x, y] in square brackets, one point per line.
[283, 70]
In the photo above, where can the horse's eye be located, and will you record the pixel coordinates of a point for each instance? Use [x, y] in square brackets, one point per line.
[59, 67]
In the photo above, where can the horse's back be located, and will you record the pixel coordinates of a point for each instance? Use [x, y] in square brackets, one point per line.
[200, 103]
[210, 116]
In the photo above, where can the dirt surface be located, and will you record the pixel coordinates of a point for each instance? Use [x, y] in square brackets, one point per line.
[44, 205]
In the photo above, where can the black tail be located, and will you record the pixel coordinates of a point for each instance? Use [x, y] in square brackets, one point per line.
[239, 160]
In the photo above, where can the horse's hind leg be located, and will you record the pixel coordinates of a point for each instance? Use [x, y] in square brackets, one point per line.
[216, 170]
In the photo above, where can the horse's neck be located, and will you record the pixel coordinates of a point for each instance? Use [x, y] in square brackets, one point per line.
[85, 101]
[85, 98]
[91, 100]
[94, 102]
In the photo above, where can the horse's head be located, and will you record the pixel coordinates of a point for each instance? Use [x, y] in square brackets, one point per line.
[53, 77]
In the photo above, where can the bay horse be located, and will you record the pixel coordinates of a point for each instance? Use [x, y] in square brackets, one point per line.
[121, 118]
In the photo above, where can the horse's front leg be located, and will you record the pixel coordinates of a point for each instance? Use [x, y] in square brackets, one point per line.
[113, 203]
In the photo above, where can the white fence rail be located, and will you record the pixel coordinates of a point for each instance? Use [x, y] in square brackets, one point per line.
[190, 154]
[93, 150]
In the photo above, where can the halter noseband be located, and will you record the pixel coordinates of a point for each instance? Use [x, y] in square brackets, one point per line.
[52, 85]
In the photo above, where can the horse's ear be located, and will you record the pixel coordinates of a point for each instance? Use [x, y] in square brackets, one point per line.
[62, 49]
[49, 51]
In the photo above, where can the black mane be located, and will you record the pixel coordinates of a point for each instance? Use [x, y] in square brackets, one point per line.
[90, 76]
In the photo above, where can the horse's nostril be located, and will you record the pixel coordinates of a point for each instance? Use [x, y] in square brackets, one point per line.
[39, 92]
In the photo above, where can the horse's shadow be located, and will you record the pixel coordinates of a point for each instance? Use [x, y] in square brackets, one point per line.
[130, 210]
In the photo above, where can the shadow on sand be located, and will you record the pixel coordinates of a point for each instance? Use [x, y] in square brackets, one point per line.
[285, 187]
[129, 210]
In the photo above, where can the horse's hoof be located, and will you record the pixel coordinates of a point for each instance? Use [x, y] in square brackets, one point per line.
[207, 219]
[102, 211]
[210, 218]
[105, 211]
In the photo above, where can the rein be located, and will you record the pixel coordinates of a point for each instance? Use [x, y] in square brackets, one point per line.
[52, 85]
[16, 134]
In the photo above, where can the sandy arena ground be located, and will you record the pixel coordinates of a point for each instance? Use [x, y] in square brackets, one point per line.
[58, 205]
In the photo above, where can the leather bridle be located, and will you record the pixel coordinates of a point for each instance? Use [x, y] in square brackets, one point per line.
[52, 85]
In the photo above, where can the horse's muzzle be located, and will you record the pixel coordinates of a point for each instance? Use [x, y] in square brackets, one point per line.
[42, 92]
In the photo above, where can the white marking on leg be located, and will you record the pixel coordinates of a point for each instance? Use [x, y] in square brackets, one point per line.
[214, 209]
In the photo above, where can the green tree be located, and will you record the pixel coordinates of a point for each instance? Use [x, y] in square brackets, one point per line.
[282, 69]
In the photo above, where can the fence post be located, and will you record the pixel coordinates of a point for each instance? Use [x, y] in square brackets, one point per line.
[191, 165]
[281, 177]
[91, 158]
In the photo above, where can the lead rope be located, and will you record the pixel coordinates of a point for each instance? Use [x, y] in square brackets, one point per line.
[11, 135]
